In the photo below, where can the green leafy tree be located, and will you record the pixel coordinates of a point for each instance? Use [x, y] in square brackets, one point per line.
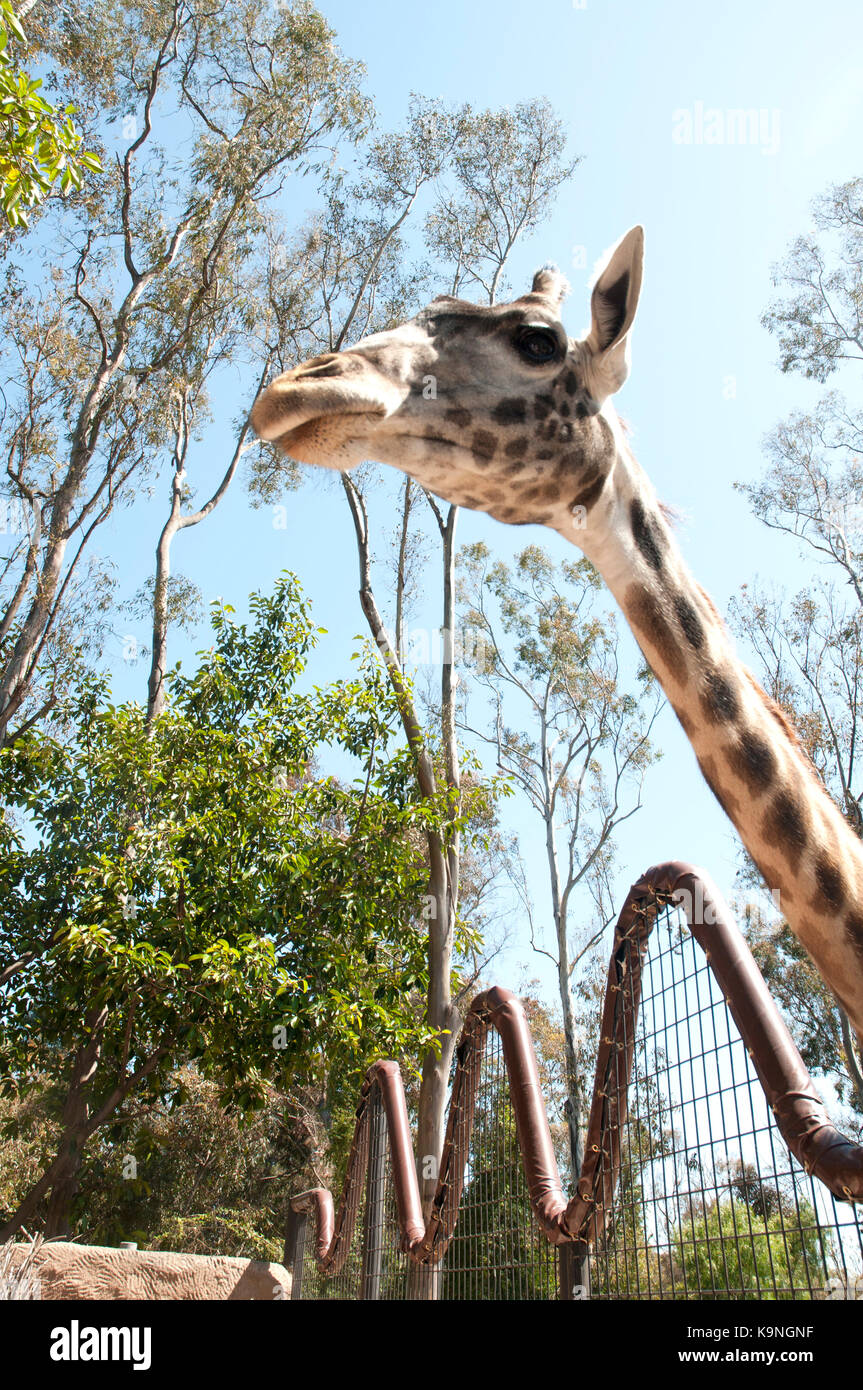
[190, 1173]
[818, 320]
[38, 143]
[192, 891]
[731, 1251]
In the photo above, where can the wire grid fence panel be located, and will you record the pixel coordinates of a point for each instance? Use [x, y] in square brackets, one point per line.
[709, 1203]
[497, 1251]
[376, 1267]
[389, 1274]
[316, 1284]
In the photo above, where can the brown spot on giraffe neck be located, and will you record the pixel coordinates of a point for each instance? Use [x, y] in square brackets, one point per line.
[512, 411]
[649, 620]
[754, 761]
[831, 885]
[458, 415]
[719, 700]
[589, 493]
[647, 536]
[785, 827]
[483, 446]
[854, 931]
[516, 448]
[693, 629]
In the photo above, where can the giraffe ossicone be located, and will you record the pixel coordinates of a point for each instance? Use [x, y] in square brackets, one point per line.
[521, 425]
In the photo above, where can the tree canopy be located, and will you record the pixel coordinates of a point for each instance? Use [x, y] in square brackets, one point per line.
[196, 892]
[39, 144]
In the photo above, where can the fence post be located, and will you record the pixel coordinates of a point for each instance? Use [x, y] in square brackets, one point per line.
[295, 1244]
[373, 1225]
[573, 1271]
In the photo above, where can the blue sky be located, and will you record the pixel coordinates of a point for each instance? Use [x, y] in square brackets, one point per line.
[626, 77]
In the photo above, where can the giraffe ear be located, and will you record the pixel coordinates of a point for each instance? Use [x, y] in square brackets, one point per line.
[612, 309]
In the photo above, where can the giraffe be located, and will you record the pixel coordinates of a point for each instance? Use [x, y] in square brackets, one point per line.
[497, 409]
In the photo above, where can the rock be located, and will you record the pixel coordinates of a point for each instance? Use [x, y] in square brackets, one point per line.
[66, 1270]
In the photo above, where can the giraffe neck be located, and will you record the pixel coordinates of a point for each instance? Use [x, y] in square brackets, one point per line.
[747, 752]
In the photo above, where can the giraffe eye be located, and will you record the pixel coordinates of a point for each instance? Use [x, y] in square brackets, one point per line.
[537, 345]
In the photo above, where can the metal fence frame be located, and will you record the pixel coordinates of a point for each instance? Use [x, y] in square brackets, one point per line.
[401, 1255]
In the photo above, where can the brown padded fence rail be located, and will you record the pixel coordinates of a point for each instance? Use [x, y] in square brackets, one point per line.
[797, 1107]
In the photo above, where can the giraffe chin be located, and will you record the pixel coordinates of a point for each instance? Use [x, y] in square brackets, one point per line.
[328, 441]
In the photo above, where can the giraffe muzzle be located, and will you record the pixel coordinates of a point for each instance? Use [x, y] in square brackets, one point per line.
[319, 413]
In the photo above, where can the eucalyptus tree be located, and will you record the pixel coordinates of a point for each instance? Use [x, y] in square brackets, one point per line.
[474, 183]
[818, 316]
[809, 645]
[572, 733]
[115, 313]
[40, 146]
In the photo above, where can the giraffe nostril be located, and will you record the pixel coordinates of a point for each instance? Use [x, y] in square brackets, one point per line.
[328, 364]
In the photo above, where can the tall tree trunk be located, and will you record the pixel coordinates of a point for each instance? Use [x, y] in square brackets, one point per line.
[441, 1012]
[159, 641]
[58, 1218]
[443, 887]
[178, 522]
[76, 1112]
[401, 581]
[564, 971]
[573, 1079]
[61, 1177]
[852, 1061]
[17, 672]
[84, 1118]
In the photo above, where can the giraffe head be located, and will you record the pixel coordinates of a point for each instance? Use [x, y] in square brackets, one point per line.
[489, 407]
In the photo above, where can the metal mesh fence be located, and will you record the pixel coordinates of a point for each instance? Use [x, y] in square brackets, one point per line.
[696, 1195]
[498, 1251]
[709, 1204]
[311, 1282]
